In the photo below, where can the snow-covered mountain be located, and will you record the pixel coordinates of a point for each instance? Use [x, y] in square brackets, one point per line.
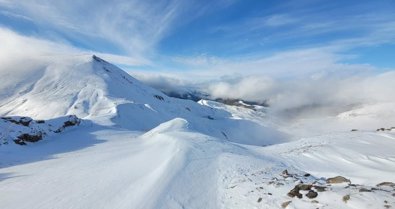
[96, 90]
[135, 147]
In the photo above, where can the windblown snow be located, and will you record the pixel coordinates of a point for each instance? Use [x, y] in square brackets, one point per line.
[134, 147]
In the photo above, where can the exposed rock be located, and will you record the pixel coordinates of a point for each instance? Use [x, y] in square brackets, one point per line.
[22, 130]
[159, 97]
[304, 187]
[307, 175]
[320, 188]
[346, 198]
[295, 192]
[364, 190]
[19, 141]
[386, 183]
[28, 138]
[337, 180]
[25, 121]
[285, 204]
[72, 121]
[311, 194]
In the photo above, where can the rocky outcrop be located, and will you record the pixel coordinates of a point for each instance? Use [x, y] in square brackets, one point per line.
[24, 130]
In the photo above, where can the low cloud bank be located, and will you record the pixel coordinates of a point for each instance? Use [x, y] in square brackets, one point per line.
[331, 92]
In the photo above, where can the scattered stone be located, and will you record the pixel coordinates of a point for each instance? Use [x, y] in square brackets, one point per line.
[24, 121]
[311, 194]
[320, 188]
[337, 180]
[224, 134]
[364, 190]
[269, 193]
[285, 204]
[314, 201]
[285, 172]
[386, 183]
[387, 206]
[307, 175]
[259, 199]
[295, 192]
[354, 129]
[346, 198]
[159, 97]
[304, 187]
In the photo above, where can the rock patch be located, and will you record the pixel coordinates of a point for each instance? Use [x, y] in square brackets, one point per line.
[338, 180]
[24, 130]
[285, 204]
[311, 194]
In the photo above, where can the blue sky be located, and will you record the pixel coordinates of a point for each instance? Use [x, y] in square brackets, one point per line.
[220, 37]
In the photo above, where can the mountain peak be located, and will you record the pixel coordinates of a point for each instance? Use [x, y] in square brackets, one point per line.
[98, 91]
[98, 59]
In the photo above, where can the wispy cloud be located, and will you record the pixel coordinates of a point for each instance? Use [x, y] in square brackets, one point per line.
[132, 26]
[36, 49]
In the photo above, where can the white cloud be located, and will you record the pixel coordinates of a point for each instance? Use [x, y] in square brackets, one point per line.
[315, 62]
[133, 26]
[329, 95]
[18, 50]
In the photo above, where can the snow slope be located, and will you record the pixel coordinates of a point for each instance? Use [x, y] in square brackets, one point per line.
[170, 166]
[146, 150]
[96, 90]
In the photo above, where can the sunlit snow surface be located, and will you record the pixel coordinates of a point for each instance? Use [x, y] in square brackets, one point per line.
[141, 149]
